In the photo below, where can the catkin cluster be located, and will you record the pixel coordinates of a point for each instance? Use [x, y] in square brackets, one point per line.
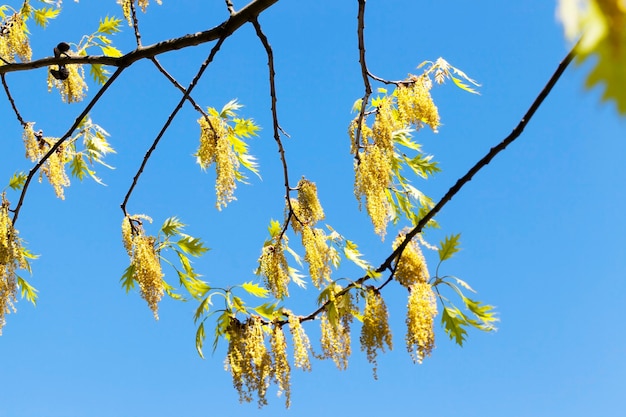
[253, 367]
[54, 167]
[144, 261]
[11, 259]
[13, 40]
[215, 147]
[421, 312]
[274, 269]
[307, 211]
[411, 268]
[409, 107]
[301, 344]
[375, 332]
[335, 327]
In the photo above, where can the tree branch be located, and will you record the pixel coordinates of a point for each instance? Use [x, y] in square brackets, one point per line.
[222, 31]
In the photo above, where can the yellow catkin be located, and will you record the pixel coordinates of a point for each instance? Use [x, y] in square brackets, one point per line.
[301, 344]
[34, 147]
[385, 125]
[248, 360]
[282, 370]
[335, 340]
[316, 254]
[127, 235]
[421, 312]
[11, 259]
[14, 40]
[375, 332]
[412, 267]
[148, 273]
[73, 88]
[373, 179]
[308, 209]
[54, 167]
[215, 147]
[275, 270]
[415, 104]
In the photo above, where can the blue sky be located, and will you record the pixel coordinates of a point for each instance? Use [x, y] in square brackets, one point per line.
[542, 226]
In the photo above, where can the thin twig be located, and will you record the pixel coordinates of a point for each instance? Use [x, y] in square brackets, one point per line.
[178, 86]
[193, 83]
[133, 13]
[364, 75]
[17, 113]
[230, 7]
[276, 125]
[66, 136]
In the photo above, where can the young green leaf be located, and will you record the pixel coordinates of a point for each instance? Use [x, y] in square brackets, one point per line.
[192, 246]
[128, 282]
[26, 290]
[172, 226]
[200, 336]
[453, 322]
[44, 14]
[266, 310]
[255, 289]
[109, 25]
[17, 181]
[448, 247]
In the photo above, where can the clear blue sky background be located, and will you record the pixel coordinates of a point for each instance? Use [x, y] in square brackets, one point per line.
[542, 226]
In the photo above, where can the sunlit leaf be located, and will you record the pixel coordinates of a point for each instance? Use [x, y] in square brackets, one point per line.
[18, 180]
[255, 289]
[453, 322]
[26, 290]
[449, 246]
[109, 25]
[200, 336]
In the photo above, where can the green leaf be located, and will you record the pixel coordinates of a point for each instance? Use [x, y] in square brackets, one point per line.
[356, 107]
[192, 246]
[26, 290]
[453, 322]
[110, 25]
[485, 314]
[17, 181]
[266, 310]
[274, 228]
[99, 73]
[42, 15]
[448, 247]
[200, 336]
[255, 289]
[172, 226]
[202, 308]
[112, 51]
[128, 279]
[239, 304]
[196, 287]
[223, 321]
[352, 254]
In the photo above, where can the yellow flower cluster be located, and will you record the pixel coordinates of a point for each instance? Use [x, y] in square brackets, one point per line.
[375, 332]
[301, 344]
[215, 147]
[72, 88]
[409, 106]
[248, 360]
[54, 167]
[34, 147]
[372, 181]
[307, 208]
[11, 258]
[335, 341]
[282, 370]
[411, 268]
[13, 40]
[144, 261]
[275, 270]
[415, 104]
[421, 311]
[316, 254]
